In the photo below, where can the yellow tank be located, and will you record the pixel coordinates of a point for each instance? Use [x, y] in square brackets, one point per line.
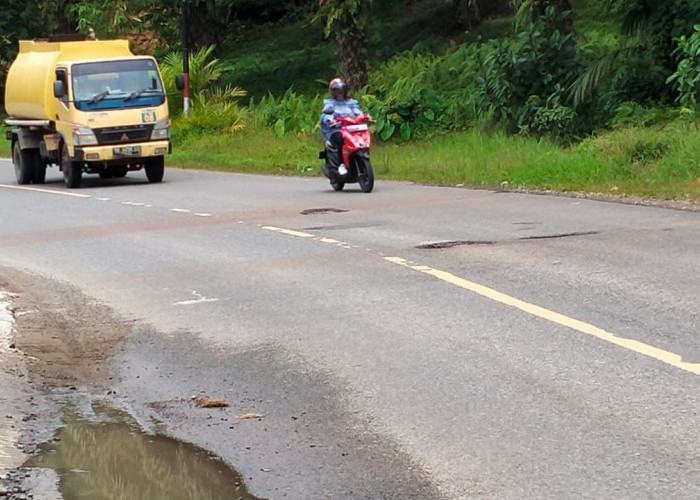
[29, 83]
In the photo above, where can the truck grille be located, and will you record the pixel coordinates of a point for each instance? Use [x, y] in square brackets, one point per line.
[123, 135]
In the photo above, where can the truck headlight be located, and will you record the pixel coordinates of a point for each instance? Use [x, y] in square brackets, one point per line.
[83, 136]
[161, 130]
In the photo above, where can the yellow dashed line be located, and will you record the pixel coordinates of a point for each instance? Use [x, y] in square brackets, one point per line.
[630, 344]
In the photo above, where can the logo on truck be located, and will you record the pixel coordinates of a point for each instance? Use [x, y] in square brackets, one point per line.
[148, 116]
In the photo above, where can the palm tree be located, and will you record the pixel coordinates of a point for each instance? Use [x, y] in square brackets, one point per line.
[346, 21]
[651, 26]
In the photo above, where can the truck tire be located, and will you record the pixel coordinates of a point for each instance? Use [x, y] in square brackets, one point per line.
[24, 164]
[106, 173]
[72, 170]
[119, 171]
[155, 168]
[39, 170]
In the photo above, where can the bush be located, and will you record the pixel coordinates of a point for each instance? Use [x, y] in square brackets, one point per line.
[524, 81]
[213, 111]
[290, 113]
[687, 75]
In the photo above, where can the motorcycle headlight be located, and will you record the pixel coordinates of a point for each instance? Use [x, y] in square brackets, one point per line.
[161, 130]
[83, 136]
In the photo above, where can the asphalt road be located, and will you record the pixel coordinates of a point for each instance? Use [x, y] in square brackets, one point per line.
[415, 342]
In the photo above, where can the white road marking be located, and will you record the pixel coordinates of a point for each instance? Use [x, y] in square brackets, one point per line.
[289, 232]
[199, 300]
[49, 191]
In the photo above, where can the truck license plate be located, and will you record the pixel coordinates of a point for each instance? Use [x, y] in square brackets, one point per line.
[127, 151]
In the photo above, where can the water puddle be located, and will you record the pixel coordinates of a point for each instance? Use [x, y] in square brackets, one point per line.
[107, 456]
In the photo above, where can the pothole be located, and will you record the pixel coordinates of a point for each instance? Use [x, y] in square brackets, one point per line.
[457, 243]
[108, 456]
[561, 235]
[310, 211]
[450, 244]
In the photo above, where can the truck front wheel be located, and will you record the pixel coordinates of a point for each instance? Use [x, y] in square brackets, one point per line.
[155, 168]
[72, 170]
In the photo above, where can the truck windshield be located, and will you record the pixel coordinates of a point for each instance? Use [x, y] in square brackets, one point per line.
[116, 84]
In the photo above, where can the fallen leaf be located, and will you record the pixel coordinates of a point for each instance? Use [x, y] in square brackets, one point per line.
[207, 402]
[249, 416]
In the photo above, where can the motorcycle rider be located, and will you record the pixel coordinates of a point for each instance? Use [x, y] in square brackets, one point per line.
[338, 105]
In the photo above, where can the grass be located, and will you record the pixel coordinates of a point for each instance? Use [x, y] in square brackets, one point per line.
[659, 162]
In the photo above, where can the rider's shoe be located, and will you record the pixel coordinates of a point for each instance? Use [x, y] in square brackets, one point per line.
[342, 170]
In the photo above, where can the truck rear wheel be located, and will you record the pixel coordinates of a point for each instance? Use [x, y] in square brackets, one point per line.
[23, 160]
[155, 168]
[72, 170]
[39, 169]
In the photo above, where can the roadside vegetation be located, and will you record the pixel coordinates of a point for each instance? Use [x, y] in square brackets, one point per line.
[599, 96]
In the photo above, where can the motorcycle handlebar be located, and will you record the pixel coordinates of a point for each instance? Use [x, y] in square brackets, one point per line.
[344, 120]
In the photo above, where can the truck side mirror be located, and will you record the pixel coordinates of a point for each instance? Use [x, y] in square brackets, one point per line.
[180, 81]
[59, 90]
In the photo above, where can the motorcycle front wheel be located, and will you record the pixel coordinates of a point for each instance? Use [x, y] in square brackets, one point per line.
[365, 174]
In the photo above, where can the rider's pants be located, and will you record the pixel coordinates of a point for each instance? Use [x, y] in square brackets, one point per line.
[333, 156]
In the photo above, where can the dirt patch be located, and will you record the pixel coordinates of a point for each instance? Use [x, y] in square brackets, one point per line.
[686, 204]
[66, 337]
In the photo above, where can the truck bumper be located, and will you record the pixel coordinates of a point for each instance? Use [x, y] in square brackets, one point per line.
[126, 153]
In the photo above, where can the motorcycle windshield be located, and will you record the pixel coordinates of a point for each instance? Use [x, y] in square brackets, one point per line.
[116, 85]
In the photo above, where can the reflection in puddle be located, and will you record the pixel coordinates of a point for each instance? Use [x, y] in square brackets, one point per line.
[108, 457]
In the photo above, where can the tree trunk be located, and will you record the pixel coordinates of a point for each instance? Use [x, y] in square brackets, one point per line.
[201, 29]
[352, 60]
[466, 13]
[489, 8]
[346, 22]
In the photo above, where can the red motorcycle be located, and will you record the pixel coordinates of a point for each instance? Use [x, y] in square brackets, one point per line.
[354, 157]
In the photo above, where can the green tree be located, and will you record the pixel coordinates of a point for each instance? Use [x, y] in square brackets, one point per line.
[530, 11]
[159, 21]
[23, 19]
[639, 70]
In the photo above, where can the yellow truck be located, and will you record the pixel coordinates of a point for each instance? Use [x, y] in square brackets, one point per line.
[88, 107]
